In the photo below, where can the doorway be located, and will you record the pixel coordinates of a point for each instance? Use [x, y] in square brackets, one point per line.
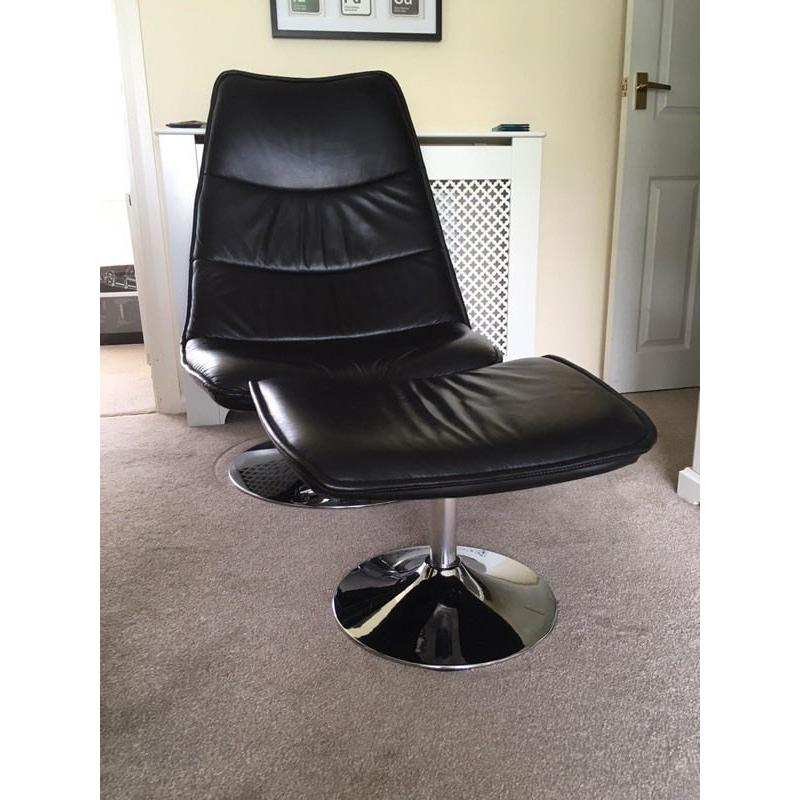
[125, 381]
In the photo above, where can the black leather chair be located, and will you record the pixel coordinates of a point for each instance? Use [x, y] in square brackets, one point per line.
[322, 293]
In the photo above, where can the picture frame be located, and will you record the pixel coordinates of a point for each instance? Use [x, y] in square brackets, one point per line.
[388, 20]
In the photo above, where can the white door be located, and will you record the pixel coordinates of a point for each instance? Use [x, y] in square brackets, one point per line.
[652, 339]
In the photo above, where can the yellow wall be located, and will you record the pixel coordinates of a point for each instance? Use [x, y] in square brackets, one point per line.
[553, 63]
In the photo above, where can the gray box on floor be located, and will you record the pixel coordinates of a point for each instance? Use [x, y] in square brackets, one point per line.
[120, 321]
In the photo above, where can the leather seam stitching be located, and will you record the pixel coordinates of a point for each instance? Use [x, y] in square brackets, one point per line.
[345, 337]
[310, 190]
[316, 270]
[491, 477]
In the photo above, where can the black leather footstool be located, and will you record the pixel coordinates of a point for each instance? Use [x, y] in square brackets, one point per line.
[507, 426]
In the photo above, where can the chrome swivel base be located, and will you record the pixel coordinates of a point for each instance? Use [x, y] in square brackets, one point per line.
[264, 473]
[478, 609]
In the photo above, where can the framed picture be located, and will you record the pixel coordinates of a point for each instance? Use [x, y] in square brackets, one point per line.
[412, 20]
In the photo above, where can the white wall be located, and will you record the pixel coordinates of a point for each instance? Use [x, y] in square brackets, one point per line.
[112, 235]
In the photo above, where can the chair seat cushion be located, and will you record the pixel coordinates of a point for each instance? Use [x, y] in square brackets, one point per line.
[225, 366]
[507, 426]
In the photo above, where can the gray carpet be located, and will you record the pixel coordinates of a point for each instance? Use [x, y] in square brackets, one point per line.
[224, 675]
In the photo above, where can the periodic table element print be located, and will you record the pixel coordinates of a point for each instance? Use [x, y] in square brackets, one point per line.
[356, 8]
[304, 6]
[410, 8]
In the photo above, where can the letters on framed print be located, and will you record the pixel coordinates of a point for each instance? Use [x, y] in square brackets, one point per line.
[405, 8]
[414, 20]
[358, 8]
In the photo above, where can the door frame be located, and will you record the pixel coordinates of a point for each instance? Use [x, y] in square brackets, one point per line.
[623, 128]
[159, 327]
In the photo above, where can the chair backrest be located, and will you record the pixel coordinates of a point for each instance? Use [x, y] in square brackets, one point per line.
[314, 217]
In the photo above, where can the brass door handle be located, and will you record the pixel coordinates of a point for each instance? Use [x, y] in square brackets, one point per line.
[642, 85]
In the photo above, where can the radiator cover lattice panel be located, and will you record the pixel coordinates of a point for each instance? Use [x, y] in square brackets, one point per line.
[476, 216]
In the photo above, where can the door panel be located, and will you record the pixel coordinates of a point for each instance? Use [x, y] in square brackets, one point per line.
[671, 264]
[679, 56]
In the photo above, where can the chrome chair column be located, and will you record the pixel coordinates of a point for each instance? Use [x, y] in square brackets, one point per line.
[443, 534]
[443, 606]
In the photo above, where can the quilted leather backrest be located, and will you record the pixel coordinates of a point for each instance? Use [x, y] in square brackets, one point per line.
[314, 217]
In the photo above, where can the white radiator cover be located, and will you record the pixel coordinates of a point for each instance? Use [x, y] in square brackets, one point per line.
[486, 188]
[476, 221]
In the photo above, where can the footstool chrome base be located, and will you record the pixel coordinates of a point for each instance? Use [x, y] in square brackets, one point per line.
[477, 608]
[264, 473]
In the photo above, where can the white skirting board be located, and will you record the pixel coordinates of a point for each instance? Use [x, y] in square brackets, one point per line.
[689, 478]
[689, 485]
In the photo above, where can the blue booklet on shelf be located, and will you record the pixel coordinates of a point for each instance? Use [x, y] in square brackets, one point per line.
[512, 126]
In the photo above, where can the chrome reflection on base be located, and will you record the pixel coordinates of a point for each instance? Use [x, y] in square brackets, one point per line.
[264, 473]
[484, 609]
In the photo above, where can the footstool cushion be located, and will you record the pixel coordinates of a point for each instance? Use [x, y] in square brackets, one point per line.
[514, 425]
